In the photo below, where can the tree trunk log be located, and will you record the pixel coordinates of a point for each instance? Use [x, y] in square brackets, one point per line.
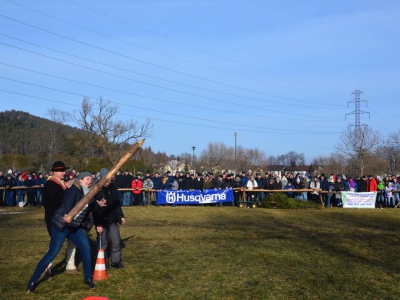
[97, 187]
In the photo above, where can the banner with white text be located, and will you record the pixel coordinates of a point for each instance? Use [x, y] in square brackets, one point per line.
[358, 200]
[195, 197]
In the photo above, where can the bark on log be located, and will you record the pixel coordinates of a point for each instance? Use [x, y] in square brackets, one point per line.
[97, 187]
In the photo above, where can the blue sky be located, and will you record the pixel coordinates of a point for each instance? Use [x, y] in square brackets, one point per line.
[279, 73]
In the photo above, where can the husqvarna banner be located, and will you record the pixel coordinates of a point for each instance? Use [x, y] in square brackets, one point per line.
[195, 197]
[358, 200]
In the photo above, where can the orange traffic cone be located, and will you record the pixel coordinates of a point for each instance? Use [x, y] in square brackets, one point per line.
[100, 272]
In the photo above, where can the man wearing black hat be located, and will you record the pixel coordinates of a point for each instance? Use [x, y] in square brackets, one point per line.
[198, 182]
[53, 195]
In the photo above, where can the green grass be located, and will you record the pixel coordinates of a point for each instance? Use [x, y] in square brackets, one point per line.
[222, 253]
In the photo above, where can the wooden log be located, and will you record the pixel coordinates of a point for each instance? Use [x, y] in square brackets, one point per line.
[97, 187]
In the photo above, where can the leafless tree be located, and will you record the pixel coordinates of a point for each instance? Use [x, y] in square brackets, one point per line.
[110, 135]
[358, 145]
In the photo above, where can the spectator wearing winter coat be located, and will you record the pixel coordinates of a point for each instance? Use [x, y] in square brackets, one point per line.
[362, 184]
[157, 186]
[251, 185]
[315, 185]
[126, 183]
[40, 181]
[187, 183]
[351, 185]
[20, 182]
[389, 195]
[137, 184]
[396, 187]
[30, 192]
[339, 188]
[289, 187]
[166, 181]
[198, 182]
[299, 185]
[106, 219]
[237, 183]
[147, 184]
[9, 183]
[261, 183]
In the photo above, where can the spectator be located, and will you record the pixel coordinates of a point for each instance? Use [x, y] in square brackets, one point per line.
[382, 192]
[157, 186]
[9, 183]
[261, 183]
[251, 185]
[20, 182]
[40, 181]
[106, 220]
[30, 192]
[136, 186]
[127, 180]
[339, 188]
[284, 181]
[331, 188]
[299, 185]
[147, 184]
[396, 187]
[351, 185]
[289, 187]
[315, 186]
[362, 184]
[236, 184]
[389, 195]
[198, 183]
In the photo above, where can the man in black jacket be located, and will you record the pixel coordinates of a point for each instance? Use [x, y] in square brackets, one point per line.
[126, 183]
[198, 182]
[106, 220]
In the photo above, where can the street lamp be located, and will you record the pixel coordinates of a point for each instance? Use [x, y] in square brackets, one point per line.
[194, 170]
[172, 167]
[235, 134]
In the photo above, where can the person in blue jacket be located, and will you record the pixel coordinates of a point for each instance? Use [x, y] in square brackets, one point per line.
[30, 192]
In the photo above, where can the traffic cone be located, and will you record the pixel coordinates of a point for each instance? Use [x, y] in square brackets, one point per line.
[100, 272]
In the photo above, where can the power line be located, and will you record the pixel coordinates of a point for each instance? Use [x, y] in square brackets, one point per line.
[142, 82]
[161, 53]
[119, 91]
[158, 99]
[202, 125]
[131, 58]
[357, 112]
[196, 48]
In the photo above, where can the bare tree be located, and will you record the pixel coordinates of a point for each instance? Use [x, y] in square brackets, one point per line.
[216, 154]
[110, 135]
[358, 145]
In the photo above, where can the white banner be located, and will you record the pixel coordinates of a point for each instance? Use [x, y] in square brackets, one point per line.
[358, 200]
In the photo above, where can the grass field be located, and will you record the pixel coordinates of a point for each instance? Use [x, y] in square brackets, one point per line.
[221, 253]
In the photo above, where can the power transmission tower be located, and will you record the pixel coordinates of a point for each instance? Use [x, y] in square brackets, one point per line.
[357, 112]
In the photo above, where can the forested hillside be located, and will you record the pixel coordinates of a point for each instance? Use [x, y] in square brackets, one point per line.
[31, 143]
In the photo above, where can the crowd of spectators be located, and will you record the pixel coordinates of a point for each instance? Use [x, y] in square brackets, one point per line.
[132, 188]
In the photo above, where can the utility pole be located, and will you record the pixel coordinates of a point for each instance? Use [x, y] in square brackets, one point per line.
[357, 112]
[194, 169]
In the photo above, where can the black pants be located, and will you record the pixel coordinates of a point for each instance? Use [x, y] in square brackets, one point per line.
[31, 198]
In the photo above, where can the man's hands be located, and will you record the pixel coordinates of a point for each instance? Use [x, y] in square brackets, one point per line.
[102, 202]
[122, 221]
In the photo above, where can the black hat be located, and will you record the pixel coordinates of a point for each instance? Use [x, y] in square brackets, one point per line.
[199, 174]
[126, 170]
[59, 166]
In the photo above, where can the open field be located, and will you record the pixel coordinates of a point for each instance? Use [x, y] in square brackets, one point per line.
[221, 253]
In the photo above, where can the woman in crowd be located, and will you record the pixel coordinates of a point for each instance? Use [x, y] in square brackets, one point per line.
[339, 188]
[30, 192]
[70, 228]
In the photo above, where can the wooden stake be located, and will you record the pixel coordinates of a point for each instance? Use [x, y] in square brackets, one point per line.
[95, 189]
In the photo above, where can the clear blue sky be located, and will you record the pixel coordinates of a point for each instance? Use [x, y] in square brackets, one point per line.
[279, 73]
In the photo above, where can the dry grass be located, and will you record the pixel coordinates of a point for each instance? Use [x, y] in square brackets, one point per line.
[222, 253]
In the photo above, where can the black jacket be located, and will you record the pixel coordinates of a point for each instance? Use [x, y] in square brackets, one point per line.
[198, 184]
[126, 181]
[112, 212]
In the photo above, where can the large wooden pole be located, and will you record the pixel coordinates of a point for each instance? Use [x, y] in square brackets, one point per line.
[97, 187]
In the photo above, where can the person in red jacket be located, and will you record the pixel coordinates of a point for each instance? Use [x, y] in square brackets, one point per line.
[372, 185]
[137, 184]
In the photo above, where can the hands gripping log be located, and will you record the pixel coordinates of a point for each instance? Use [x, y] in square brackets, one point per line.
[97, 187]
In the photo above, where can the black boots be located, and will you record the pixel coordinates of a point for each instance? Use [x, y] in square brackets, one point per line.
[118, 265]
[89, 282]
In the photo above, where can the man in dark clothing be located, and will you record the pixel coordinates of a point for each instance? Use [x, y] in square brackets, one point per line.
[187, 183]
[362, 184]
[324, 184]
[106, 219]
[126, 183]
[214, 181]
[198, 182]
[9, 183]
[157, 186]
[53, 195]
[118, 183]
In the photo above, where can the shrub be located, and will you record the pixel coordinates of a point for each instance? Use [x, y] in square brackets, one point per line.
[281, 200]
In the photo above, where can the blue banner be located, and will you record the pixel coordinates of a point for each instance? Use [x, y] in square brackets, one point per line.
[195, 197]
